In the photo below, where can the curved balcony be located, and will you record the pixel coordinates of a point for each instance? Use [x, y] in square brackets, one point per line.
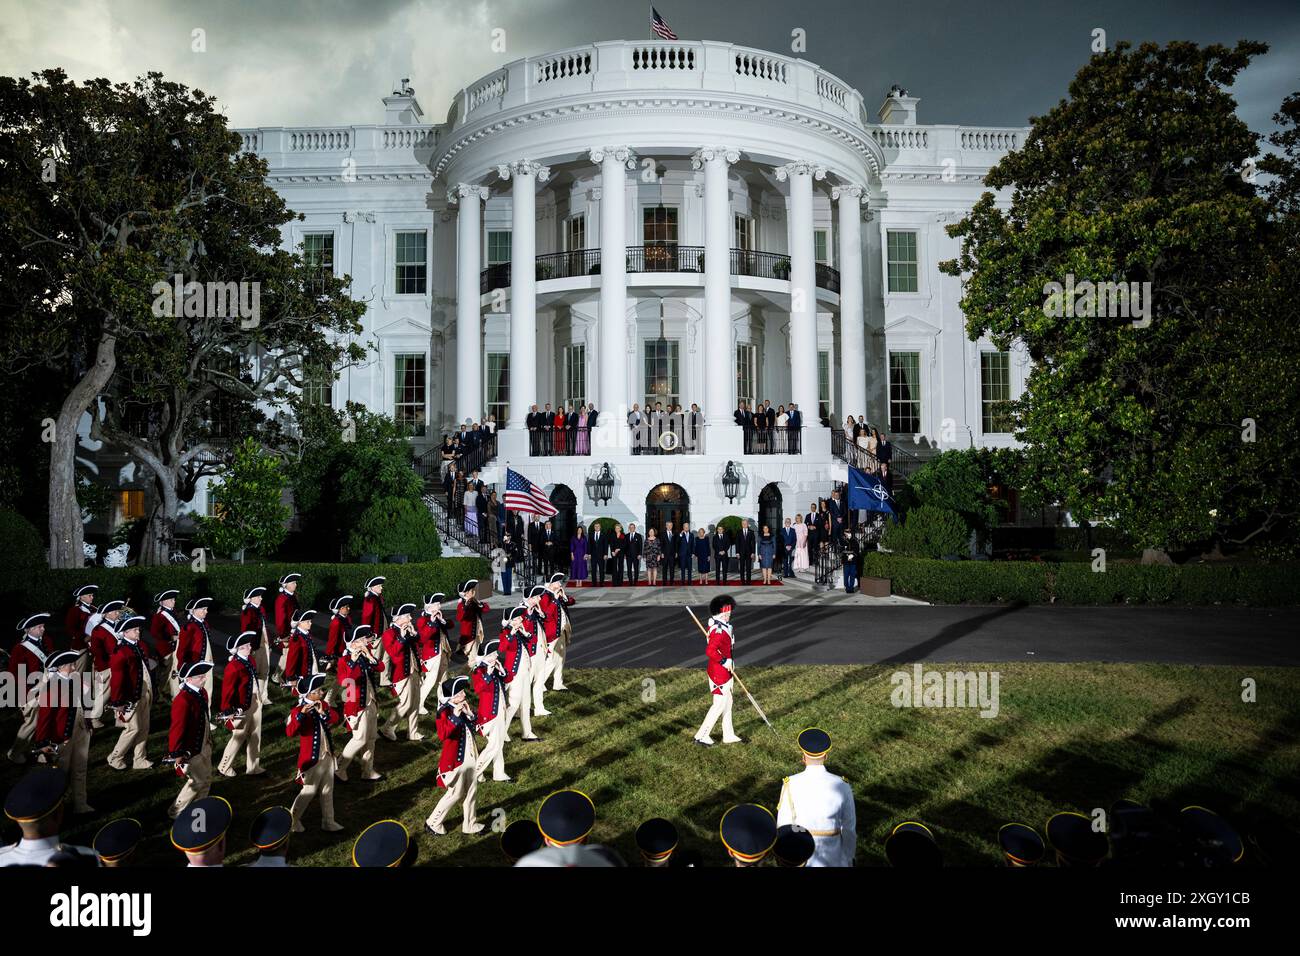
[661, 257]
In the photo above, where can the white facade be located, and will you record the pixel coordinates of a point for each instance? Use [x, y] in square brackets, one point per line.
[733, 198]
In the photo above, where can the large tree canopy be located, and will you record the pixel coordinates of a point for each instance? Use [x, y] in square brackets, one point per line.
[1179, 428]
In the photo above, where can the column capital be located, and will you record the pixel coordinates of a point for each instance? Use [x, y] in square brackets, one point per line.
[524, 167]
[463, 190]
[623, 154]
[800, 168]
[850, 191]
[708, 154]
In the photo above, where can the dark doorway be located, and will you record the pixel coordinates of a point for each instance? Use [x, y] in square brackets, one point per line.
[667, 503]
[567, 518]
[769, 508]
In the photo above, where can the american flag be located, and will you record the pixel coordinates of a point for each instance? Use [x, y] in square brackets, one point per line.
[659, 27]
[523, 495]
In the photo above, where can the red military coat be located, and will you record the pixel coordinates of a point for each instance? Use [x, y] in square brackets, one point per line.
[469, 615]
[552, 614]
[103, 641]
[718, 653]
[313, 731]
[359, 679]
[189, 722]
[490, 689]
[286, 606]
[28, 659]
[336, 645]
[510, 651]
[56, 716]
[254, 619]
[192, 645]
[373, 612]
[454, 731]
[164, 630]
[238, 685]
[129, 672]
[300, 657]
[431, 631]
[74, 623]
[403, 653]
[534, 622]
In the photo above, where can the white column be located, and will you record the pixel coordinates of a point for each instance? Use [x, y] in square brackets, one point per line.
[611, 387]
[720, 386]
[469, 320]
[803, 287]
[524, 175]
[853, 350]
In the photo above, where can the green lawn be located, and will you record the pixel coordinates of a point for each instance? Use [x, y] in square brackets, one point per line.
[1068, 736]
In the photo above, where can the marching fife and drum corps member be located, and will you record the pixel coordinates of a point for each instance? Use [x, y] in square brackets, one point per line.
[469, 614]
[62, 726]
[336, 643]
[401, 646]
[103, 641]
[27, 665]
[358, 676]
[35, 803]
[195, 642]
[489, 681]
[311, 721]
[539, 648]
[719, 667]
[559, 629]
[300, 658]
[435, 646]
[286, 615]
[513, 651]
[252, 617]
[76, 623]
[165, 631]
[458, 761]
[241, 707]
[375, 616]
[821, 803]
[189, 742]
[130, 695]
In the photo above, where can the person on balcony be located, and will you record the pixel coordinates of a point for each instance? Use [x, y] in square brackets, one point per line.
[534, 430]
[559, 423]
[696, 423]
[800, 544]
[745, 419]
[796, 423]
[634, 421]
[578, 552]
[571, 427]
[591, 417]
[583, 437]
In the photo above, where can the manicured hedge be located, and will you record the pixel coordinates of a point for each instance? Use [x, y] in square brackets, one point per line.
[994, 582]
[51, 590]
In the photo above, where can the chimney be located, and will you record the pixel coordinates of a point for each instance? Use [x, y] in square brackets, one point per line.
[899, 109]
[402, 108]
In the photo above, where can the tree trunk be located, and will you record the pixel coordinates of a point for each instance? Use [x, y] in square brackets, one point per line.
[160, 534]
[66, 532]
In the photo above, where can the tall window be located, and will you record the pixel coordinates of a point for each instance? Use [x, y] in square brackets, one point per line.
[661, 372]
[575, 233]
[318, 253]
[659, 225]
[498, 246]
[824, 384]
[131, 504]
[409, 391]
[498, 385]
[743, 234]
[821, 250]
[412, 271]
[995, 392]
[747, 374]
[575, 374]
[905, 392]
[902, 261]
[317, 386]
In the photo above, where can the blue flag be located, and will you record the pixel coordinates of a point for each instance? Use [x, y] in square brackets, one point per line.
[867, 493]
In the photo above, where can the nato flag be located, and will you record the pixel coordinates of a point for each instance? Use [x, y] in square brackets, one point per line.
[866, 492]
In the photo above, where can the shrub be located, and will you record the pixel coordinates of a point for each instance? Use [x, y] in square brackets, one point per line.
[396, 526]
[928, 532]
[22, 558]
[731, 524]
[606, 526]
[958, 481]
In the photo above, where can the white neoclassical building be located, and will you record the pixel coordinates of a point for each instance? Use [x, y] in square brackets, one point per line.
[640, 222]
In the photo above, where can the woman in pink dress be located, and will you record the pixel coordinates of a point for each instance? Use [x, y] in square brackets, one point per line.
[583, 439]
[800, 544]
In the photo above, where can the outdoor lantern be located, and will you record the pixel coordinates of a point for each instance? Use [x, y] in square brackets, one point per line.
[600, 488]
[731, 482]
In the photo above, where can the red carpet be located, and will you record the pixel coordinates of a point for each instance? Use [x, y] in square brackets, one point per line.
[677, 584]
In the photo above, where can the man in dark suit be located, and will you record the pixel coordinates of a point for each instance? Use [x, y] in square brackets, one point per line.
[685, 552]
[632, 554]
[530, 420]
[571, 426]
[697, 423]
[719, 544]
[796, 423]
[670, 552]
[745, 419]
[591, 416]
[598, 548]
[481, 514]
[745, 546]
[789, 540]
[837, 516]
[550, 548]
[534, 537]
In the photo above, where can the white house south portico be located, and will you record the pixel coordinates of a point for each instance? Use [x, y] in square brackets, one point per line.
[631, 223]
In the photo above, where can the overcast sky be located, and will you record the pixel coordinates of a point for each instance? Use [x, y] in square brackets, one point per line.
[328, 62]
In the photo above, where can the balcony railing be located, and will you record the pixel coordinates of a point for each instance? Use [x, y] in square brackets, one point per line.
[658, 257]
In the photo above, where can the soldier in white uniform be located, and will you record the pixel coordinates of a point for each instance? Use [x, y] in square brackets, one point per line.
[36, 804]
[821, 803]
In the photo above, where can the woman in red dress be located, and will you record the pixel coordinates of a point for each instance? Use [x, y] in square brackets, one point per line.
[560, 424]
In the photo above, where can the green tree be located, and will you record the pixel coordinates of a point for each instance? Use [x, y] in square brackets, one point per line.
[961, 481]
[1138, 177]
[396, 526]
[250, 513]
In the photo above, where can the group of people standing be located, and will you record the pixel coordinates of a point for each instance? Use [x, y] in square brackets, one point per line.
[664, 429]
[564, 431]
[768, 430]
[875, 452]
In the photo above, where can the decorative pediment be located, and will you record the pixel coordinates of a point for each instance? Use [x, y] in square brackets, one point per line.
[910, 325]
[403, 326]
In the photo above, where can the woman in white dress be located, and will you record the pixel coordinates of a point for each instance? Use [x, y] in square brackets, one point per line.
[471, 513]
[800, 544]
